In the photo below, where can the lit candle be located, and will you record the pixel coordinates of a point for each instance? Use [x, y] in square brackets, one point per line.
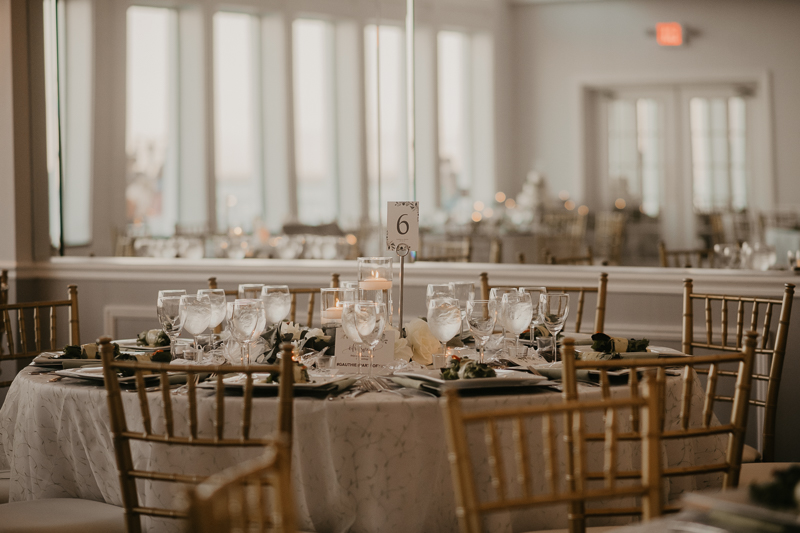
[332, 313]
[375, 284]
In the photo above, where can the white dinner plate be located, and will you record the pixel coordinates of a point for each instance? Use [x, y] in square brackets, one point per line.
[130, 344]
[317, 382]
[95, 373]
[505, 378]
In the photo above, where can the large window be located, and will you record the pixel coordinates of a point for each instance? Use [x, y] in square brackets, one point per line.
[238, 174]
[151, 191]
[386, 108]
[719, 172]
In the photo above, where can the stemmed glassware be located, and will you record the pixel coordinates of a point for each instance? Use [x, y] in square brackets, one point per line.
[517, 312]
[444, 321]
[463, 292]
[535, 293]
[553, 312]
[350, 329]
[481, 317]
[370, 321]
[169, 315]
[438, 290]
[249, 291]
[216, 299]
[277, 302]
[195, 315]
[496, 294]
[247, 322]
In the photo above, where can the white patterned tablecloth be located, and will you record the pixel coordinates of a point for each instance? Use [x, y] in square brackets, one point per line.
[374, 463]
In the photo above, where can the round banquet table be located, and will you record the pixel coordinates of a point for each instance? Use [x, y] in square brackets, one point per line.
[377, 462]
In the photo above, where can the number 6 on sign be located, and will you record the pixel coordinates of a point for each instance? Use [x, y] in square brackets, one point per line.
[402, 225]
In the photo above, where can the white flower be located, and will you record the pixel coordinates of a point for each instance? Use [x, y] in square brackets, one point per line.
[314, 332]
[402, 349]
[290, 327]
[422, 341]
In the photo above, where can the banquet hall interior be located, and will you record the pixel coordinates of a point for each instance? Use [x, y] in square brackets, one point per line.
[623, 173]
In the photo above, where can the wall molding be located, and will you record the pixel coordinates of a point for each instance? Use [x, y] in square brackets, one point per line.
[113, 313]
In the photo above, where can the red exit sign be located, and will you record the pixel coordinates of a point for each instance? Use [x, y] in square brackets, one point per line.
[669, 33]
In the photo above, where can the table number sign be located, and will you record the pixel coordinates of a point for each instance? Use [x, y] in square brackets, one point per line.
[402, 225]
[347, 353]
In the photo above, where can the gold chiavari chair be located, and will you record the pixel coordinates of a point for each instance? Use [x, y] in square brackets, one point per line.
[609, 234]
[587, 259]
[253, 497]
[734, 429]
[576, 304]
[508, 495]
[21, 347]
[3, 287]
[772, 352]
[122, 435]
[312, 293]
[698, 258]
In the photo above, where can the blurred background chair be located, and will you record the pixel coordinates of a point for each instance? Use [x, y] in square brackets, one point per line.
[441, 248]
[700, 258]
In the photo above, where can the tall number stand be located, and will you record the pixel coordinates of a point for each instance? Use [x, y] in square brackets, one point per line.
[402, 251]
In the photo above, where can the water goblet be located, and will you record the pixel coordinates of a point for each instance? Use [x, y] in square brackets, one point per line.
[481, 317]
[496, 294]
[217, 301]
[169, 315]
[553, 312]
[535, 293]
[277, 302]
[248, 321]
[350, 330]
[517, 310]
[444, 321]
[370, 321]
[438, 290]
[463, 292]
[195, 315]
[249, 291]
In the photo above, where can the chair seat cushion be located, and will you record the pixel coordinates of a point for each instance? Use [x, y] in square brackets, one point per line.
[5, 485]
[61, 515]
[750, 455]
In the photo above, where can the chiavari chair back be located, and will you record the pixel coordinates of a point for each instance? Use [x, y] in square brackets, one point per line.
[609, 233]
[521, 489]
[698, 258]
[45, 327]
[253, 497]
[162, 429]
[577, 300]
[3, 287]
[771, 353]
[587, 259]
[446, 250]
[312, 293]
[734, 429]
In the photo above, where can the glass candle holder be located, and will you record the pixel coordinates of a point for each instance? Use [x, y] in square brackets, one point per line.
[375, 274]
[331, 304]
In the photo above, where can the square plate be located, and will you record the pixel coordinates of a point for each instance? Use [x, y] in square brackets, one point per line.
[317, 383]
[95, 373]
[505, 378]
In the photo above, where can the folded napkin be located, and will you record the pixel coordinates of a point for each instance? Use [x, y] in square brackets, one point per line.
[554, 372]
[408, 383]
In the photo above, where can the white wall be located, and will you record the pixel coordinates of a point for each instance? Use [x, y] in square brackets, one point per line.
[556, 45]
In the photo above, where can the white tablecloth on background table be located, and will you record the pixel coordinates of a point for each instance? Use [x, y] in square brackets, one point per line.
[374, 463]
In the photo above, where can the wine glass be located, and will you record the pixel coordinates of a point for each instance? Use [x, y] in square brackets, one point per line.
[249, 291]
[481, 317]
[216, 299]
[444, 321]
[370, 321]
[553, 312]
[438, 290]
[195, 315]
[248, 320]
[350, 329]
[463, 292]
[169, 315]
[535, 293]
[277, 302]
[496, 294]
[517, 311]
